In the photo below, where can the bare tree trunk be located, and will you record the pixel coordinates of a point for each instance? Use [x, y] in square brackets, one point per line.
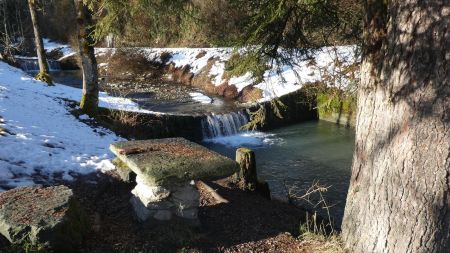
[89, 101]
[42, 59]
[399, 196]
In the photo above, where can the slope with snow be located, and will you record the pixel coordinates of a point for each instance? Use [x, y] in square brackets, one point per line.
[327, 64]
[46, 141]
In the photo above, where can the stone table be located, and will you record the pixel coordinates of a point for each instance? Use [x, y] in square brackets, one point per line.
[166, 170]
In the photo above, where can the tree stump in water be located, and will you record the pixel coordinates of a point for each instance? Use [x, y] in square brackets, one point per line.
[247, 172]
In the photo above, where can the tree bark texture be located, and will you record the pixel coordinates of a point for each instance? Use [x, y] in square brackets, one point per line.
[40, 51]
[399, 199]
[89, 100]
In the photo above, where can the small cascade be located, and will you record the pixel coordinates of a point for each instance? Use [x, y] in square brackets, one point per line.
[53, 65]
[217, 125]
[32, 65]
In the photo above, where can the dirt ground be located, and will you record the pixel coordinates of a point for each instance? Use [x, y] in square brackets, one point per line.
[248, 223]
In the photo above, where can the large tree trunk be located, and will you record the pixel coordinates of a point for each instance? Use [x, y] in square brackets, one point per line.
[399, 196]
[89, 101]
[40, 51]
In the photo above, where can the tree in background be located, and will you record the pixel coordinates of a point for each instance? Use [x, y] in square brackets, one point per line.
[142, 22]
[89, 99]
[399, 196]
[14, 20]
[40, 51]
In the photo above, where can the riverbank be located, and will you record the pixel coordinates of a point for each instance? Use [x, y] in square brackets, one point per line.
[45, 144]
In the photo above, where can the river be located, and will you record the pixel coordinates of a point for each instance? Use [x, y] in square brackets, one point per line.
[297, 156]
[290, 159]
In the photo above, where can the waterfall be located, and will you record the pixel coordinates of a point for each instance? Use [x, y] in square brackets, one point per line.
[30, 64]
[217, 125]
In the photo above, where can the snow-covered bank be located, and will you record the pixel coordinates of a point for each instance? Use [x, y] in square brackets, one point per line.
[66, 50]
[331, 65]
[46, 141]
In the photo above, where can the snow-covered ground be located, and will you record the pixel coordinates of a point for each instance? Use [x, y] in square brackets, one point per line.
[328, 64]
[45, 140]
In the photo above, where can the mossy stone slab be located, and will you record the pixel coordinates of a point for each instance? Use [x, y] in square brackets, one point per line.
[50, 217]
[164, 162]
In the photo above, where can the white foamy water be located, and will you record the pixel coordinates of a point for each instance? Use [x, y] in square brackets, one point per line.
[252, 139]
[221, 125]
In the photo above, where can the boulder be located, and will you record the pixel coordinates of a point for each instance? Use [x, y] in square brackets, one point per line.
[49, 217]
[166, 162]
[250, 94]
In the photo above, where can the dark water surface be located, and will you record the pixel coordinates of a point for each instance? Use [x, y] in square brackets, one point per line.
[297, 156]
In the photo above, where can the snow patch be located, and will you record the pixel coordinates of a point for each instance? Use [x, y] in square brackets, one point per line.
[47, 142]
[277, 81]
[199, 97]
[49, 46]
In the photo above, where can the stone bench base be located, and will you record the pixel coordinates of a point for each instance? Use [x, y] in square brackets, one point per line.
[156, 202]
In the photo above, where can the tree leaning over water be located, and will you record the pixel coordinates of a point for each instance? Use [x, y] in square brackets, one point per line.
[89, 100]
[399, 196]
[40, 51]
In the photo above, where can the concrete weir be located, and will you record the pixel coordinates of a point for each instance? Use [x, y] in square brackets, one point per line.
[204, 126]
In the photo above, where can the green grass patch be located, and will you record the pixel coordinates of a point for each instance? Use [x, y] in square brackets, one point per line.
[332, 101]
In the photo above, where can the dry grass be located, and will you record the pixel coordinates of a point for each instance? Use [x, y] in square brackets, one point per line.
[323, 244]
[318, 233]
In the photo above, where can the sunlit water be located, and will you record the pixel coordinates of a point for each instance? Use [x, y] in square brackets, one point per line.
[296, 157]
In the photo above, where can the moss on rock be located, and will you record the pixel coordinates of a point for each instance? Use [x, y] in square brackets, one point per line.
[336, 106]
[45, 77]
[165, 162]
[37, 217]
[89, 104]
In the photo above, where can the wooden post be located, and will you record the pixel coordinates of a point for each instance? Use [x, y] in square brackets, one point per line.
[247, 173]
